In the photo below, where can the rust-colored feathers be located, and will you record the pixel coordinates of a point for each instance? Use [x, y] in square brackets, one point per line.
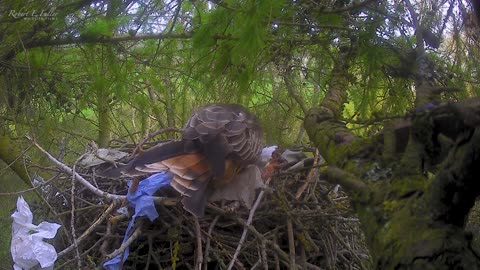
[218, 142]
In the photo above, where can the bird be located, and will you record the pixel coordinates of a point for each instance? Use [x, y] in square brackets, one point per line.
[215, 157]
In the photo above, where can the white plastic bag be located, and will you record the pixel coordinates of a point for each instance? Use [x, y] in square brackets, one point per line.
[27, 247]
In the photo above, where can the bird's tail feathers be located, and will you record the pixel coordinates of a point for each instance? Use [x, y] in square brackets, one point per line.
[190, 169]
[196, 203]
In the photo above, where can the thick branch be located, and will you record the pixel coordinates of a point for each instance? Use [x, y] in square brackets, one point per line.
[331, 137]
[347, 180]
[103, 39]
[439, 127]
[455, 187]
[336, 95]
[323, 125]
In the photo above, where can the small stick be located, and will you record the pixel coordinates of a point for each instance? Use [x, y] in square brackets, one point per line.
[207, 245]
[77, 177]
[310, 175]
[275, 255]
[291, 243]
[245, 228]
[16, 193]
[123, 247]
[263, 253]
[72, 216]
[199, 257]
[89, 230]
[151, 135]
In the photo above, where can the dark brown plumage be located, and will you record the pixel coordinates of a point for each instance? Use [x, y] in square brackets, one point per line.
[219, 142]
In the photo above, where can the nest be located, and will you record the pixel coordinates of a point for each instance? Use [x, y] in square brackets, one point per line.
[299, 222]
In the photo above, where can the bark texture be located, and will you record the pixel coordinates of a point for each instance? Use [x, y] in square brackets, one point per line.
[410, 220]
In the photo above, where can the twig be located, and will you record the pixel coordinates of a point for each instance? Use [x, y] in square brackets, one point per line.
[93, 189]
[275, 255]
[29, 189]
[77, 177]
[310, 175]
[245, 229]
[104, 247]
[352, 7]
[256, 264]
[124, 246]
[291, 243]
[72, 215]
[291, 89]
[153, 134]
[92, 247]
[199, 256]
[278, 250]
[339, 238]
[175, 17]
[207, 245]
[312, 266]
[263, 253]
[90, 229]
[303, 257]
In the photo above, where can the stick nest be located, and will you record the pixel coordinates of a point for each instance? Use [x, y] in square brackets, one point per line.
[316, 231]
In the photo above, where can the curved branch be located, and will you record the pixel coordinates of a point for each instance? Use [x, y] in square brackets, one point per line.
[347, 180]
[77, 176]
[93, 189]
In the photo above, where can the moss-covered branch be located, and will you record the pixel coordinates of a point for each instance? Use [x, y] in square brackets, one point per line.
[410, 221]
[323, 124]
[455, 187]
[12, 156]
[347, 180]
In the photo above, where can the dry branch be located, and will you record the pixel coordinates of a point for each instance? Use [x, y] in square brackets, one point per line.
[76, 176]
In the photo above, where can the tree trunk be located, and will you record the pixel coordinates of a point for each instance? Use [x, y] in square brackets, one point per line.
[409, 220]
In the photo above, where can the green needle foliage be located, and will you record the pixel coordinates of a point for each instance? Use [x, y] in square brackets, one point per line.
[113, 71]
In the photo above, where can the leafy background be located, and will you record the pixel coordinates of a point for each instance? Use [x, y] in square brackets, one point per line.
[113, 71]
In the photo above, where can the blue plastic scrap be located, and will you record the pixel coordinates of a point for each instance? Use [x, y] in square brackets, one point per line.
[143, 203]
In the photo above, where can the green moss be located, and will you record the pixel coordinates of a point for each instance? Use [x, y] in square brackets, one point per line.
[391, 206]
[406, 185]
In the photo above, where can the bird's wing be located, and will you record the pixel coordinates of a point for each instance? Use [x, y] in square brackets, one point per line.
[189, 168]
[225, 131]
